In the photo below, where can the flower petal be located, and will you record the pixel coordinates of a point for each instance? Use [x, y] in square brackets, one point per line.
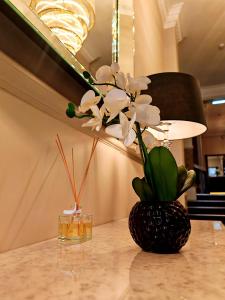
[155, 115]
[88, 100]
[148, 138]
[147, 115]
[102, 109]
[103, 89]
[90, 123]
[132, 84]
[143, 99]
[135, 85]
[143, 79]
[132, 121]
[116, 94]
[95, 123]
[115, 105]
[104, 74]
[121, 80]
[96, 112]
[87, 96]
[130, 138]
[115, 130]
[112, 116]
[124, 124]
[115, 68]
[142, 85]
[115, 101]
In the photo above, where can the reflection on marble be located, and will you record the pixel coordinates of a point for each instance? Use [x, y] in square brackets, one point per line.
[112, 267]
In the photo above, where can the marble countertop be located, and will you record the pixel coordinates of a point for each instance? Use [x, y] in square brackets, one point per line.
[112, 267]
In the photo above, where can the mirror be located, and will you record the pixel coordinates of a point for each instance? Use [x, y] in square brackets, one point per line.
[100, 46]
[97, 48]
[216, 165]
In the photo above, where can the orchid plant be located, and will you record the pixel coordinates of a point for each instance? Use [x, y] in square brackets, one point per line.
[126, 113]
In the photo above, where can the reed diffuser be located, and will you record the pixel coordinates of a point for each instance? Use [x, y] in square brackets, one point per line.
[74, 225]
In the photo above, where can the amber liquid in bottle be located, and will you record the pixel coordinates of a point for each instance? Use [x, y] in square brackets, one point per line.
[75, 228]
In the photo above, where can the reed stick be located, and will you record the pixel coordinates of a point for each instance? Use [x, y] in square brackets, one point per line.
[61, 151]
[94, 144]
[73, 170]
[72, 180]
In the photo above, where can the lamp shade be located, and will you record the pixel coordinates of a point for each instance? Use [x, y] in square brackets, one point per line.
[179, 99]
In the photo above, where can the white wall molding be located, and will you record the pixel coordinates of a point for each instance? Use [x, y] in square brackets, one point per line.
[213, 91]
[126, 8]
[25, 86]
[171, 17]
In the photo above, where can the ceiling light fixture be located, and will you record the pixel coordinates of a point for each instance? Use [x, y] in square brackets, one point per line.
[69, 20]
[218, 101]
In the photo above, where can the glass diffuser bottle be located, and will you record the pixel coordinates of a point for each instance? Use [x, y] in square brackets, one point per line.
[74, 225]
[76, 228]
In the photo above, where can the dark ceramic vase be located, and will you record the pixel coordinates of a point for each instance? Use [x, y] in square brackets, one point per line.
[161, 227]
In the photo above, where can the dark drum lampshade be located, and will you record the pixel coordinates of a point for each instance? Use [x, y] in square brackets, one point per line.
[178, 97]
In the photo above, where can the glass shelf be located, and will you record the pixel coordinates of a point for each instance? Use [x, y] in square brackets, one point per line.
[43, 35]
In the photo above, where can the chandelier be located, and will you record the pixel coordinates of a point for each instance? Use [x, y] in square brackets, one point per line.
[69, 20]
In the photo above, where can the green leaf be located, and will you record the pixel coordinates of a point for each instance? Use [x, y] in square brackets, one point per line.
[70, 114]
[190, 180]
[142, 189]
[164, 173]
[147, 170]
[91, 81]
[182, 175]
[71, 106]
[86, 74]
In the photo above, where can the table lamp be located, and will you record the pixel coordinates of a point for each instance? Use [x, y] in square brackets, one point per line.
[178, 97]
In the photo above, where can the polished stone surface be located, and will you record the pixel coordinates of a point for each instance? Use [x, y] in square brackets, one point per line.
[112, 267]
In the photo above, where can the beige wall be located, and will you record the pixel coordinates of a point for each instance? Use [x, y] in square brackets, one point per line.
[155, 47]
[149, 52]
[170, 53]
[126, 36]
[33, 187]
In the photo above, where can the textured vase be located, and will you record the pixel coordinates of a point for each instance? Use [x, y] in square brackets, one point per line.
[161, 227]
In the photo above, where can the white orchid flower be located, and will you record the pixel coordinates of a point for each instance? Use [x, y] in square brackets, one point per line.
[88, 100]
[123, 131]
[143, 99]
[104, 89]
[147, 115]
[121, 80]
[96, 122]
[115, 101]
[105, 73]
[135, 85]
[115, 68]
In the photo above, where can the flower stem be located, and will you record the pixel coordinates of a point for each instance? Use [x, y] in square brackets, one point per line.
[142, 147]
[141, 143]
[111, 84]
[144, 155]
[83, 116]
